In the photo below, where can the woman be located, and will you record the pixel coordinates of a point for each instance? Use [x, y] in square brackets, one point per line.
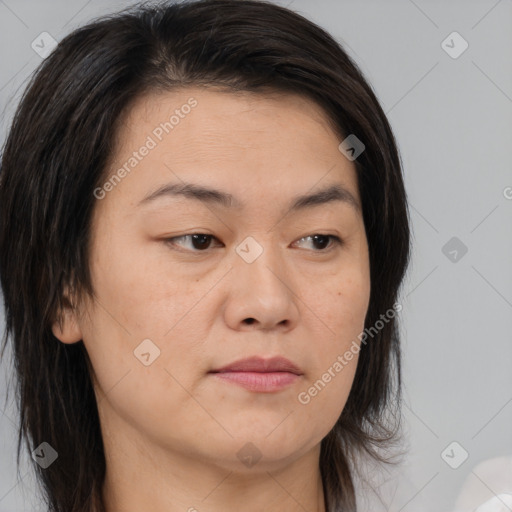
[204, 230]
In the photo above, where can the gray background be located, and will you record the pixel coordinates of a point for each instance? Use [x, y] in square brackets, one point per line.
[452, 119]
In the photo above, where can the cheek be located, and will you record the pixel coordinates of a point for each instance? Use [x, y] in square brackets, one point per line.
[341, 301]
[323, 396]
[137, 301]
[130, 310]
[133, 289]
[341, 305]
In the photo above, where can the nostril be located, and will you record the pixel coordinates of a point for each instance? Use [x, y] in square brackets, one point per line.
[249, 321]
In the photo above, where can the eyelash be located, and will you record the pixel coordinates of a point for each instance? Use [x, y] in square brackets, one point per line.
[336, 241]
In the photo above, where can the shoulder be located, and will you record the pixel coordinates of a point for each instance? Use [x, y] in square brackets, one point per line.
[476, 493]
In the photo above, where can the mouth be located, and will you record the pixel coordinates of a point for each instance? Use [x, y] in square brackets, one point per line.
[260, 375]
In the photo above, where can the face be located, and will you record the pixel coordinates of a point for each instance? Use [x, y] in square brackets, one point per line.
[267, 275]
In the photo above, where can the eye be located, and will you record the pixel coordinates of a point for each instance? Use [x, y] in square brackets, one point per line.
[198, 241]
[322, 241]
[201, 242]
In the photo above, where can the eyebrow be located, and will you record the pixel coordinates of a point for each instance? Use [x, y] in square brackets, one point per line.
[326, 195]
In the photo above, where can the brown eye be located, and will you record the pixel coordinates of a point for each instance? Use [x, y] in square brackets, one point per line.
[320, 241]
[197, 241]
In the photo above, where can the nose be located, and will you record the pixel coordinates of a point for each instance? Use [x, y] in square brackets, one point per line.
[261, 294]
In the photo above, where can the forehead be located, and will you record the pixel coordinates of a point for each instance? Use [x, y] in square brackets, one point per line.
[215, 101]
[240, 142]
[203, 116]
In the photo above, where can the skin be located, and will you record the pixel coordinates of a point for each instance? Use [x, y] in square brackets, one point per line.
[171, 430]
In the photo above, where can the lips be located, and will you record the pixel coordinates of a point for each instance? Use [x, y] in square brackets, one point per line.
[259, 375]
[258, 364]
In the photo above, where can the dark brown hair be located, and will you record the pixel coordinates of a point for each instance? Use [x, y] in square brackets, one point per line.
[57, 152]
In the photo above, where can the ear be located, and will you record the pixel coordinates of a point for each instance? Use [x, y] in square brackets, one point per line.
[66, 328]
